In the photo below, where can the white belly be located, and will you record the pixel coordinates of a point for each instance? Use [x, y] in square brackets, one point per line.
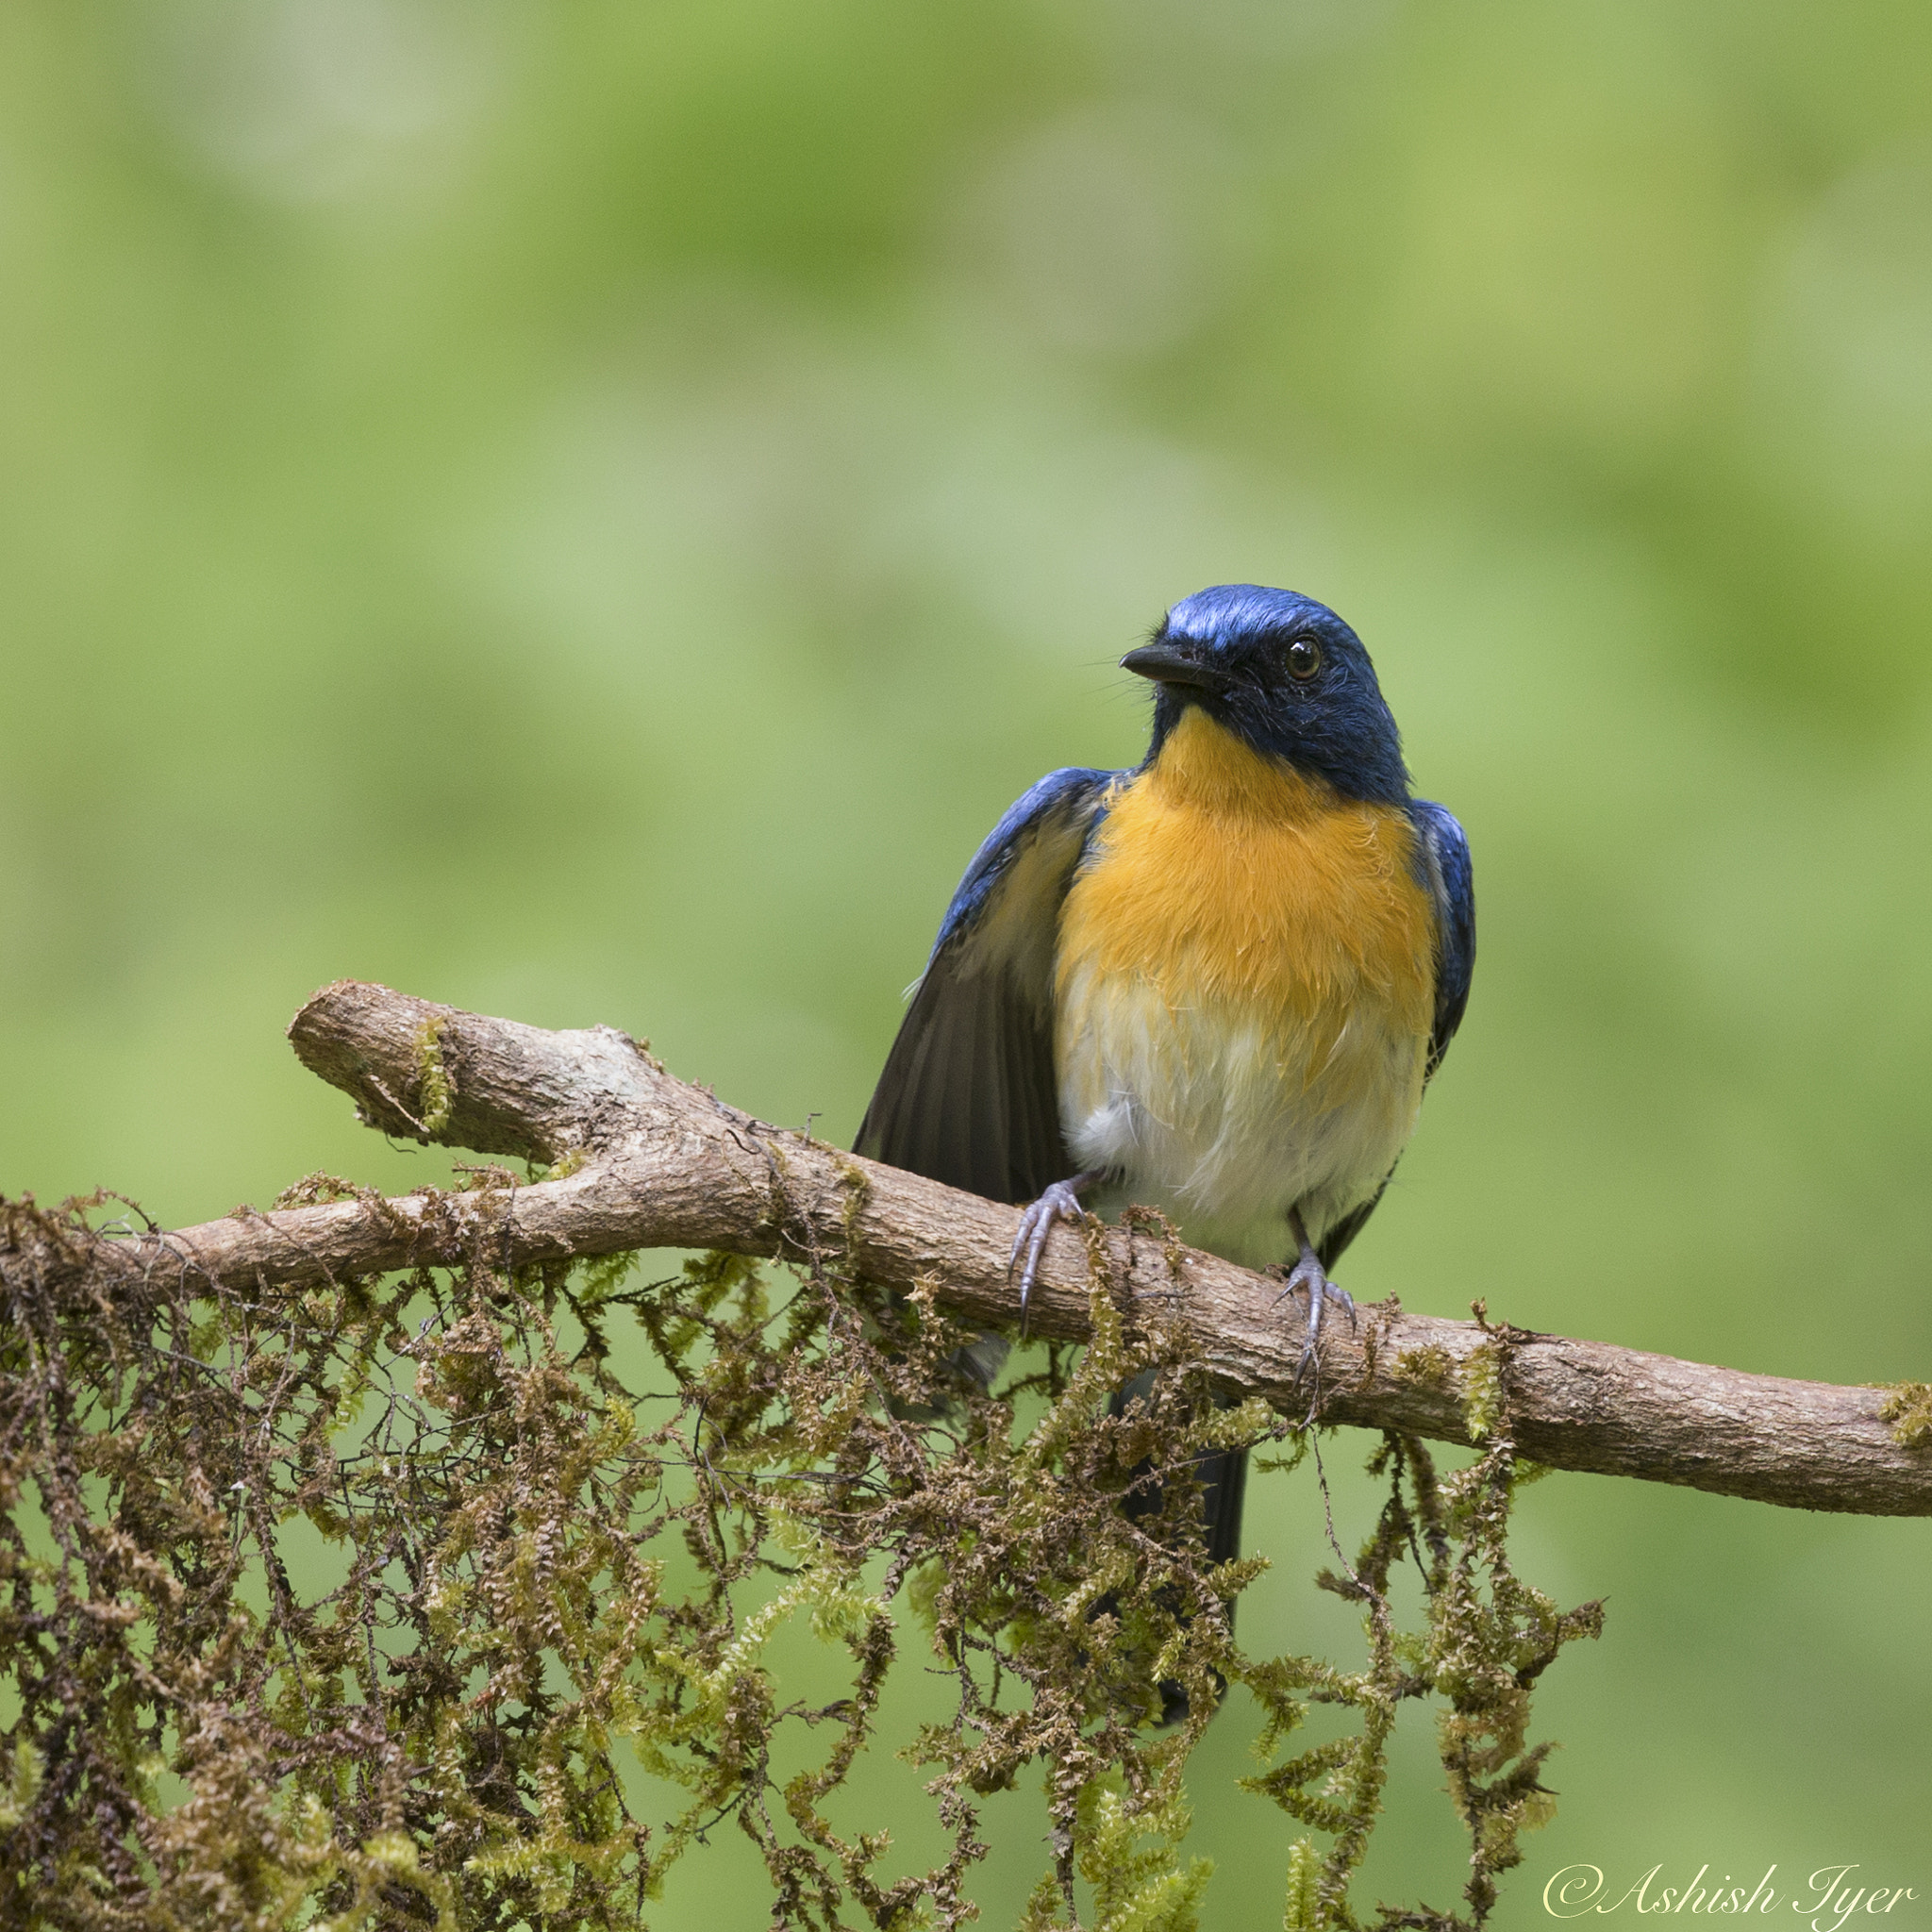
[1226, 1119]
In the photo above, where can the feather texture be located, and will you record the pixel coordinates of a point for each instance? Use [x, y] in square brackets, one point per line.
[969, 1094]
[1446, 865]
[1245, 976]
[1224, 978]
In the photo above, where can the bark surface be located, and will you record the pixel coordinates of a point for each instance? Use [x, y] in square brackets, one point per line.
[652, 1161]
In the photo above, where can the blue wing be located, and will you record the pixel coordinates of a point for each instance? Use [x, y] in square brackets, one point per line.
[969, 1094]
[1451, 885]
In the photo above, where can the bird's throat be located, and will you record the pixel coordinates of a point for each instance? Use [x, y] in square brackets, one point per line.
[1204, 767]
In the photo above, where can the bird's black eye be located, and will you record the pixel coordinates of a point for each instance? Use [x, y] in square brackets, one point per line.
[1304, 659]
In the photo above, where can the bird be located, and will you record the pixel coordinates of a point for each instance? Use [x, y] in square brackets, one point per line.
[1215, 984]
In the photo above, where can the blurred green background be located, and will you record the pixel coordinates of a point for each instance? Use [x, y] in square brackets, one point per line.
[588, 511]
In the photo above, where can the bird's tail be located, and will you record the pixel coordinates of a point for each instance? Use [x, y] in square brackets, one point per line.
[1223, 1477]
[1224, 1474]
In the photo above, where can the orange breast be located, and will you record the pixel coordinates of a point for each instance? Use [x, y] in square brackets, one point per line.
[1225, 880]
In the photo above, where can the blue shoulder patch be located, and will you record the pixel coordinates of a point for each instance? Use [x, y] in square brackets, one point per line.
[1073, 785]
[1452, 885]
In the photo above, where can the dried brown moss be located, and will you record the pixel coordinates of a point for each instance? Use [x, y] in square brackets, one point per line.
[538, 1581]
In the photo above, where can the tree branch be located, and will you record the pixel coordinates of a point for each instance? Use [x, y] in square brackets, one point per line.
[650, 1161]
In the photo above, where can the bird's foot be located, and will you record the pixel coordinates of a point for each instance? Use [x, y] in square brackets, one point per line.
[1309, 1274]
[1061, 1202]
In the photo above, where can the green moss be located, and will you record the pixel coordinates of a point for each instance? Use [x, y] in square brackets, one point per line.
[1304, 1912]
[1482, 1390]
[1485, 1639]
[1908, 1405]
[313, 1190]
[546, 1569]
[435, 1091]
[1431, 1367]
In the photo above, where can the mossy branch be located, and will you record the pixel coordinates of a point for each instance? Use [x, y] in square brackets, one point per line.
[661, 1163]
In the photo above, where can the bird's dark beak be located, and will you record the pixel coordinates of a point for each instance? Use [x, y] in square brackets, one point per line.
[1175, 664]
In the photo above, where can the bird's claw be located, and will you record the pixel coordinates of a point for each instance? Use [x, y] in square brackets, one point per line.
[1061, 1202]
[1309, 1274]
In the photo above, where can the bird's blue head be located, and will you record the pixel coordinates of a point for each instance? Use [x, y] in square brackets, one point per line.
[1284, 676]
